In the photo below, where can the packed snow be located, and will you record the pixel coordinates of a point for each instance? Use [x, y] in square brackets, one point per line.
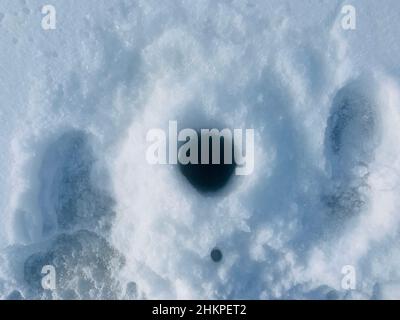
[77, 193]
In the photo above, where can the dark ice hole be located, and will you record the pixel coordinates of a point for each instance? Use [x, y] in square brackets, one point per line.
[208, 178]
[216, 255]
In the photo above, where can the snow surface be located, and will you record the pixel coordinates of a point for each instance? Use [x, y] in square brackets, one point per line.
[76, 191]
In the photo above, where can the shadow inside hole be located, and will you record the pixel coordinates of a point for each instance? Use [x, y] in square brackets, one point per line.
[209, 178]
[216, 255]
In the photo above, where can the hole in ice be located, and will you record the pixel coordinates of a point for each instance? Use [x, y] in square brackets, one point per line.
[216, 255]
[208, 178]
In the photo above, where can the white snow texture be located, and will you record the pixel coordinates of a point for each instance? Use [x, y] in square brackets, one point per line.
[77, 193]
